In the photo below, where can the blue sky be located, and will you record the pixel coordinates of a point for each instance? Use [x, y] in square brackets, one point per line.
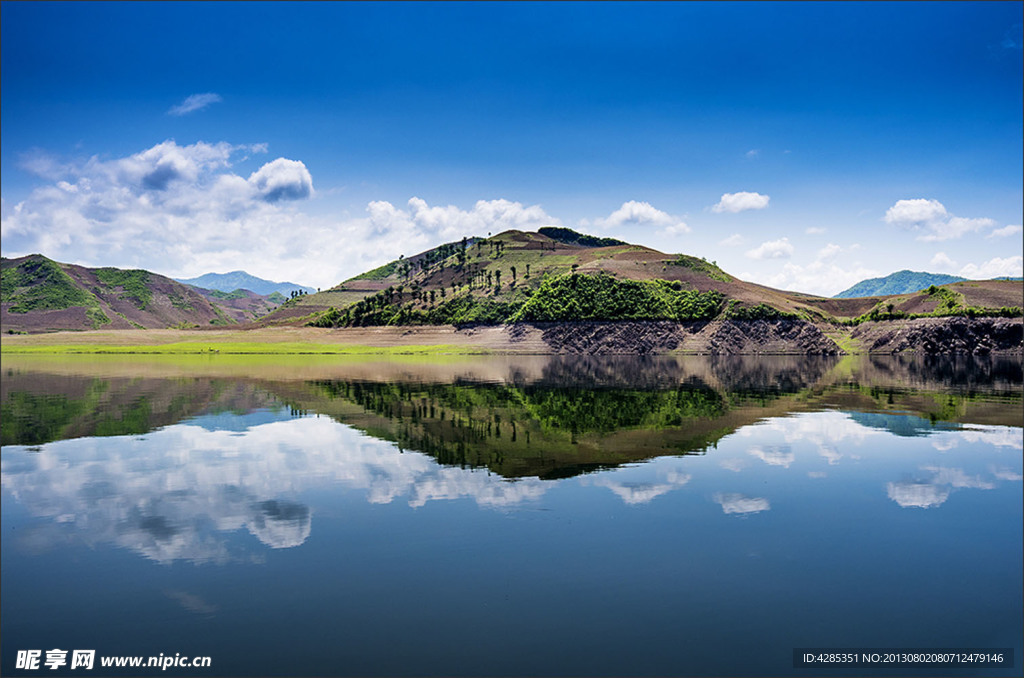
[800, 145]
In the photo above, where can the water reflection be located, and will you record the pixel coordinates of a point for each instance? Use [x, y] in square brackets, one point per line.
[741, 504]
[935, 490]
[176, 468]
[343, 517]
[633, 492]
[176, 494]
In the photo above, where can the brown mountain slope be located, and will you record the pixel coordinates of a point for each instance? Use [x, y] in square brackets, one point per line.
[41, 295]
[505, 270]
[242, 305]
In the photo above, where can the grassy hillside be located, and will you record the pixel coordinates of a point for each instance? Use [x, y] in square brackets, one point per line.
[242, 305]
[39, 295]
[491, 280]
[558, 275]
[517, 276]
[554, 275]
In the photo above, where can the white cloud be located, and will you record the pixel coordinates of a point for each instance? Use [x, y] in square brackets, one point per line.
[738, 202]
[634, 212]
[210, 483]
[942, 262]
[825, 275]
[734, 464]
[196, 102]
[910, 494]
[182, 211]
[829, 251]
[824, 429]
[998, 436]
[741, 504]
[936, 490]
[422, 224]
[1005, 473]
[957, 478]
[932, 215]
[994, 268]
[774, 455]
[676, 229]
[642, 492]
[831, 454]
[820, 277]
[917, 210]
[772, 249]
[1006, 231]
[815, 230]
[955, 227]
[753, 153]
[733, 240]
[37, 161]
[282, 179]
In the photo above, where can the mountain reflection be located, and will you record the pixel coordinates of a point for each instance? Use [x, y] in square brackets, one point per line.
[177, 467]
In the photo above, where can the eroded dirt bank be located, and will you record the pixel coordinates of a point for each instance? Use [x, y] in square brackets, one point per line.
[942, 336]
[927, 336]
[716, 337]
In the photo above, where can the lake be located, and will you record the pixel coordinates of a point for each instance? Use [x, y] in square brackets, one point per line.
[302, 515]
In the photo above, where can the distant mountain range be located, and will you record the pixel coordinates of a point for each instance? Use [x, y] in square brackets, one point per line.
[901, 282]
[240, 280]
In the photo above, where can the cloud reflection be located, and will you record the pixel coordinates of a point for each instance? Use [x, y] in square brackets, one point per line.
[774, 455]
[642, 492]
[934, 491]
[192, 603]
[741, 504]
[178, 493]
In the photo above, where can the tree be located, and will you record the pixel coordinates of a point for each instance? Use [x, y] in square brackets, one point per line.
[513, 275]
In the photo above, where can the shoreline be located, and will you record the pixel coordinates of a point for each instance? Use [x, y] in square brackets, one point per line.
[721, 337]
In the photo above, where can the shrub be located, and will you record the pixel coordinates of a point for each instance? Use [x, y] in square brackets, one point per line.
[572, 297]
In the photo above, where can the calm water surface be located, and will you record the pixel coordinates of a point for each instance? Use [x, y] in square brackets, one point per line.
[503, 516]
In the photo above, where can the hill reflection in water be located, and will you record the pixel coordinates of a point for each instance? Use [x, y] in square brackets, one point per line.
[166, 465]
[368, 507]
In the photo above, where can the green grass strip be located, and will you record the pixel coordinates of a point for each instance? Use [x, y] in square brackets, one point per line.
[245, 348]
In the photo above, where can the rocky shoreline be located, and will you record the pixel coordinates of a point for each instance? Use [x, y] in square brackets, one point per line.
[928, 336]
[725, 337]
[942, 336]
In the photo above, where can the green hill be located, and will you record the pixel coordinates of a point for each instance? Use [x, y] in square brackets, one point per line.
[552, 275]
[558, 275]
[39, 295]
[510, 277]
[900, 282]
